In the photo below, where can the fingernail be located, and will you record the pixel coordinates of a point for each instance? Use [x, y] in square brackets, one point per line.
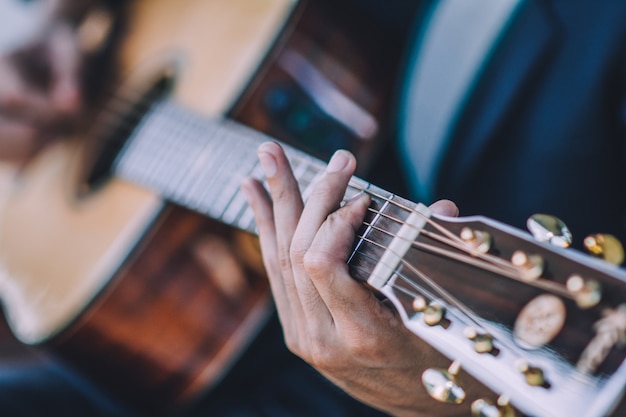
[353, 199]
[337, 162]
[268, 163]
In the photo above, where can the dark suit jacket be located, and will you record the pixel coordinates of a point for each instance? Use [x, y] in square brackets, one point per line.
[544, 129]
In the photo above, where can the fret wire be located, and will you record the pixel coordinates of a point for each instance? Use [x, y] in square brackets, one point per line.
[238, 199]
[230, 188]
[174, 141]
[179, 192]
[368, 228]
[355, 186]
[197, 176]
[235, 211]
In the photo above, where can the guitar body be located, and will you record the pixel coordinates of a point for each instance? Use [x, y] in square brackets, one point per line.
[153, 301]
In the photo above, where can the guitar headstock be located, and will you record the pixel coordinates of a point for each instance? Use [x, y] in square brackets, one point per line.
[542, 326]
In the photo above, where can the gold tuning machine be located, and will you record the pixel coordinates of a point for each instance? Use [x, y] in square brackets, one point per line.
[605, 246]
[485, 408]
[443, 385]
[587, 293]
[550, 229]
[529, 266]
[534, 375]
[434, 314]
[476, 239]
[483, 342]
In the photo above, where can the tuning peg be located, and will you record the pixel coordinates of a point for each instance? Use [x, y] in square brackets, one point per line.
[477, 239]
[434, 314]
[546, 228]
[419, 304]
[534, 375]
[483, 342]
[443, 385]
[530, 266]
[605, 246]
[587, 293]
[485, 408]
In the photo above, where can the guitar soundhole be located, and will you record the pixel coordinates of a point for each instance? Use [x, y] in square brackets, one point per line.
[118, 120]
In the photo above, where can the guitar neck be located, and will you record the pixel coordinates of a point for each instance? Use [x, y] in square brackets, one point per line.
[199, 163]
[441, 283]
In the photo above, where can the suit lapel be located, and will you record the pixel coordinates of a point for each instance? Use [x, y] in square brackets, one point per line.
[514, 62]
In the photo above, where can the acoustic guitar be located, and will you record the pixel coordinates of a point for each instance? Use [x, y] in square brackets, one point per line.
[112, 262]
[147, 296]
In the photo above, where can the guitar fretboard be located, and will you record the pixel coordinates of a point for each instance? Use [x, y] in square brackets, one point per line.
[199, 163]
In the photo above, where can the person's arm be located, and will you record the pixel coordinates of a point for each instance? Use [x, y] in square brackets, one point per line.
[330, 320]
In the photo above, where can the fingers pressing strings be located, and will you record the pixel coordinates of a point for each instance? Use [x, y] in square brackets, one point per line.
[325, 263]
[320, 209]
[277, 219]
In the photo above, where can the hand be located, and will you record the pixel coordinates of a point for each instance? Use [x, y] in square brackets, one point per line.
[329, 319]
[40, 91]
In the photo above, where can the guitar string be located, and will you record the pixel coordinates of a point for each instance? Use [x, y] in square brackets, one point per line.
[450, 238]
[480, 326]
[442, 293]
[501, 267]
[450, 299]
[474, 261]
[466, 312]
[467, 259]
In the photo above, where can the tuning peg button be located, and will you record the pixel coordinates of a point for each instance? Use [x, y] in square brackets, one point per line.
[443, 385]
[476, 239]
[534, 375]
[587, 293]
[434, 314]
[483, 342]
[419, 304]
[530, 266]
[605, 246]
[546, 228]
[485, 408]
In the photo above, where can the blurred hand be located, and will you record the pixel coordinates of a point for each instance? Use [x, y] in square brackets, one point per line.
[329, 319]
[40, 92]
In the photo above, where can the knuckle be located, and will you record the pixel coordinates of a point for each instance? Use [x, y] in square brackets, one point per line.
[280, 193]
[320, 356]
[284, 260]
[336, 219]
[339, 223]
[298, 251]
[315, 262]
